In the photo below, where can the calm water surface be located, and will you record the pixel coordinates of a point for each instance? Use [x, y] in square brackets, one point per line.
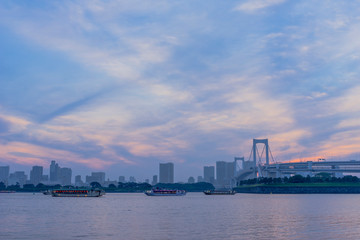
[194, 216]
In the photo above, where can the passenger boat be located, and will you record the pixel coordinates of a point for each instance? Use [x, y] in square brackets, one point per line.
[165, 192]
[77, 193]
[219, 192]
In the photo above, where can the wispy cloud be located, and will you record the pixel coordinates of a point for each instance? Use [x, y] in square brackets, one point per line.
[254, 5]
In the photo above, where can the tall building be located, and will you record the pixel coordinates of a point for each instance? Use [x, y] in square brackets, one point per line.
[54, 171]
[154, 180]
[96, 177]
[209, 174]
[36, 175]
[122, 179]
[166, 173]
[4, 174]
[132, 179]
[191, 180]
[224, 173]
[78, 181]
[65, 176]
[17, 178]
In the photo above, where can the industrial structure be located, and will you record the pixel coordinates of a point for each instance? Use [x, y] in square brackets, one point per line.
[254, 167]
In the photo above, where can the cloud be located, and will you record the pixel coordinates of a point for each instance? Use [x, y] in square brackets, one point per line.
[255, 5]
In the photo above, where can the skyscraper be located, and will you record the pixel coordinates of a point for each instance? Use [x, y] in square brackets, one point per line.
[155, 180]
[4, 174]
[54, 171]
[17, 177]
[209, 174]
[224, 173]
[65, 176]
[166, 173]
[36, 175]
[96, 177]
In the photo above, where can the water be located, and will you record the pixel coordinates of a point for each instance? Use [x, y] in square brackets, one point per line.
[194, 216]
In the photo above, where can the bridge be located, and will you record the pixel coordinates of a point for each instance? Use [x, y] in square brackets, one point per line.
[254, 167]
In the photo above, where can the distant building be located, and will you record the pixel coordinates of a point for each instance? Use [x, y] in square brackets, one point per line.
[147, 180]
[4, 174]
[96, 177]
[36, 175]
[191, 180]
[17, 177]
[65, 175]
[166, 173]
[78, 181]
[209, 174]
[154, 180]
[224, 173]
[122, 179]
[200, 179]
[132, 179]
[54, 172]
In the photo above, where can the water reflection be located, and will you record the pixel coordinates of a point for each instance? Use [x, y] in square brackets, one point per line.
[194, 216]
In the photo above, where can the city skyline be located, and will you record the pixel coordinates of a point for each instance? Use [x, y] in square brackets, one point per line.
[120, 86]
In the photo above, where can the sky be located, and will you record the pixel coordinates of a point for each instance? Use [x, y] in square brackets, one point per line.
[121, 86]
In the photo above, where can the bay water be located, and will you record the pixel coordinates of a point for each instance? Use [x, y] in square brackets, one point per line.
[194, 216]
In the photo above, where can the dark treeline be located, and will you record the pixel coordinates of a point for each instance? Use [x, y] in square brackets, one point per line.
[121, 187]
[319, 178]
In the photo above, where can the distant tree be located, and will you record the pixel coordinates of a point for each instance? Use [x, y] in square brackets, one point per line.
[95, 185]
[112, 186]
[29, 187]
[2, 186]
[41, 186]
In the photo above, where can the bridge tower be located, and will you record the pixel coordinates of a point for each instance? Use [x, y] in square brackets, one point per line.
[254, 150]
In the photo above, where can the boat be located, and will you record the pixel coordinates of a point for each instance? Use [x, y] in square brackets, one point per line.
[165, 192]
[7, 191]
[47, 192]
[77, 193]
[219, 192]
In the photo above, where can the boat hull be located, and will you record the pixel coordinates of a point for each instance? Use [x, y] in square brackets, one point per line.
[77, 193]
[165, 193]
[214, 192]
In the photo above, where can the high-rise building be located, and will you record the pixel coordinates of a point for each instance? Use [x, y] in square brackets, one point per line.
[65, 176]
[200, 179]
[209, 174]
[96, 177]
[154, 180]
[224, 173]
[132, 179]
[78, 181]
[191, 180]
[4, 174]
[122, 179]
[17, 178]
[54, 171]
[36, 175]
[166, 173]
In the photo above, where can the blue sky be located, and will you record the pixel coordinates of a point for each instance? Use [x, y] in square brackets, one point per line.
[120, 86]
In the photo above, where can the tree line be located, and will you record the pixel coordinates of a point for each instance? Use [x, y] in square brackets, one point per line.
[121, 187]
[318, 178]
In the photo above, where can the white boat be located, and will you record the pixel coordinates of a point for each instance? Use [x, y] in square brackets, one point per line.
[77, 193]
[165, 192]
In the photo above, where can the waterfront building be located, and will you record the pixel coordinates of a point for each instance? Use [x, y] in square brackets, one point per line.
[65, 175]
[200, 179]
[78, 181]
[191, 180]
[166, 172]
[36, 175]
[122, 179]
[54, 172]
[154, 180]
[96, 177]
[132, 179]
[4, 174]
[224, 173]
[17, 178]
[209, 174]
